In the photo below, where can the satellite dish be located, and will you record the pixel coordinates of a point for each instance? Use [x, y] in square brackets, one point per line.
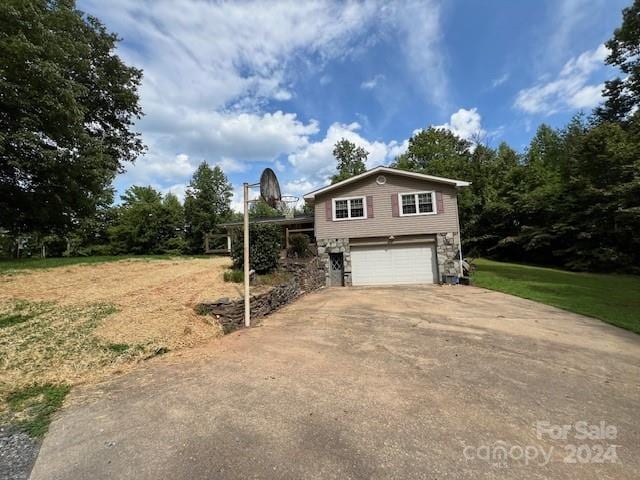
[269, 187]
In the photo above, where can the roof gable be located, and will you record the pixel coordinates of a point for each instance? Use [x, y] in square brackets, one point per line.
[381, 169]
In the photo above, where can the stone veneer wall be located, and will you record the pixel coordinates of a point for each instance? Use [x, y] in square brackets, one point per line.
[306, 276]
[448, 253]
[335, 245]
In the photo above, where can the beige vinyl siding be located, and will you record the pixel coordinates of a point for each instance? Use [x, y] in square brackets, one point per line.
[383, 222]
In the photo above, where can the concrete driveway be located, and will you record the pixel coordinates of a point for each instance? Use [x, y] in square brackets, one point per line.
[412, 382]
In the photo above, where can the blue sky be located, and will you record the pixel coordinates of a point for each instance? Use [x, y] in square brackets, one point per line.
[246, 85]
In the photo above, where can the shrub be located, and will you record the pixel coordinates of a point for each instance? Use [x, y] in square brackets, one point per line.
[234, 276]
[265, 241]
[299, 245]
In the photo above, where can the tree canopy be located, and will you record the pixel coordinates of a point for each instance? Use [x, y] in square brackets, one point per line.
[622, 96]
[571, 199]
[207, 203]
[351, 160]
[67, 107]
[147, 222]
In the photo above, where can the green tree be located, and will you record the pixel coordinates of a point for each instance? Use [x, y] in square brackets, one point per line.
[172, 225]
[207, 203]
[605, 201]
[623, 95]
[434, 151]
[261, 209]
[351, 160]
[147, 223]
[265, 243]
[67, 106]
[90, 236]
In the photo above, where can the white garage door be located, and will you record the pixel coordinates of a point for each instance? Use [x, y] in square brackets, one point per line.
[393, 264]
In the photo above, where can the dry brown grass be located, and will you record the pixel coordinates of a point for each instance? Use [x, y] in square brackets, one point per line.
[75, 324]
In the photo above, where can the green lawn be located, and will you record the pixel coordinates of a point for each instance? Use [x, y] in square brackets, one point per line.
[7, 266]
[614, 299]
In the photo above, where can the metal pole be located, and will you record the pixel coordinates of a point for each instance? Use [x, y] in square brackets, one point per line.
[247, 300]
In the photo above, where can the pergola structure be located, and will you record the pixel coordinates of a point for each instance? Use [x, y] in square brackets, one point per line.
[221, 243]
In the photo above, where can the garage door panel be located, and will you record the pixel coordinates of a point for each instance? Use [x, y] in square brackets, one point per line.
[397, 264]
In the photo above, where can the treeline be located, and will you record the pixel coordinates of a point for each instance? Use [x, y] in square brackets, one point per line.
[144, 222]
[572, 199]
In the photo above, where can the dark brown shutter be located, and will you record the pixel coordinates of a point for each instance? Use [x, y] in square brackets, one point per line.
[328, 210]
[439, 202]
[394, 205]
[369, 206]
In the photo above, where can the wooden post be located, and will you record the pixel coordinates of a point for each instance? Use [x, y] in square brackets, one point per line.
[247, 299]
[286, 238]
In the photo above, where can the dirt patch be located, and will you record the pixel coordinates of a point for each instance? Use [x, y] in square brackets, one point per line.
[74, 324]
[154, 299]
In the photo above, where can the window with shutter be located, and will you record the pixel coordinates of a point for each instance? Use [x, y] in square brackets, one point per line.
[417, 203]
[352, 208]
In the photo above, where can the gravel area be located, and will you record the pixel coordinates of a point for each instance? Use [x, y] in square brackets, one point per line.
[18, 452]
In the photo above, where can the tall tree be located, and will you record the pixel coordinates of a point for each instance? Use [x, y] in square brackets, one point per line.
[207, 203]
[434, 151]
[147, 222]
[351, 160]
[67, 106]
[261, 209]
[623, 95]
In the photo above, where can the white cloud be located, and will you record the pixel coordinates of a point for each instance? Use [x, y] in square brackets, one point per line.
[217, 52]
[587, 97]
[237, 197]
[570, 89]
[372, 82]
[151, 167]
[225, 139]
[229, 165]
[299, 187]
[396, 149]
[242, 136]
[282, 95]
[178, 190]
[465, 124]
[316, 162]
[570, 19]
[325, 79]
[500, 80]
[210, 67]
[418, 21]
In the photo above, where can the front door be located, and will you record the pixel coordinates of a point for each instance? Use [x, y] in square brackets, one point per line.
[336, 276]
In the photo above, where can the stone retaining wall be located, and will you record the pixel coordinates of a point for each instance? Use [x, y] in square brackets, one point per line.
[306, 276]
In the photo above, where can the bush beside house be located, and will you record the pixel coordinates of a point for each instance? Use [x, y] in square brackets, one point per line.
[299, 245]
[265, 243]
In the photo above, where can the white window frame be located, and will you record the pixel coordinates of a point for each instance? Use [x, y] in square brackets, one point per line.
[348, 199]
[415, 196]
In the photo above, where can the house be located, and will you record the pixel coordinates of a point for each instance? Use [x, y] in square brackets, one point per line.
[384, 226]
[388, 226]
